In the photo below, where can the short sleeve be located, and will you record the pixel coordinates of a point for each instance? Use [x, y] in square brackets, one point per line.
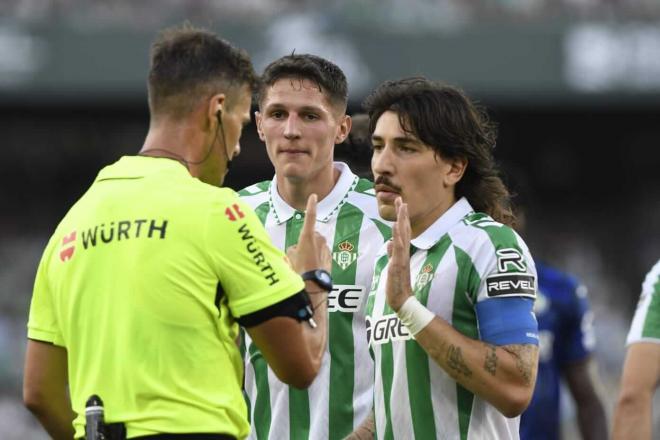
[42, 322]
[645, 325]
[506, 290]
[253, 273]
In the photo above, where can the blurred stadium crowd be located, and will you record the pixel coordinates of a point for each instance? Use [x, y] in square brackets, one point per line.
[413, 14]
[593, 166]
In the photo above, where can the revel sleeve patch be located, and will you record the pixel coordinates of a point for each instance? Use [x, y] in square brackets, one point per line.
[511, 284]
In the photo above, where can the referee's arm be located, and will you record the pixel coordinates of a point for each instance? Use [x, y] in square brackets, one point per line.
[293, 348]
[45, 388]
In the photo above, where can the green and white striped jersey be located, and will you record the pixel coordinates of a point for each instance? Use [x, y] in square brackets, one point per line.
[462, 260]
[341, 396]
[645, 326]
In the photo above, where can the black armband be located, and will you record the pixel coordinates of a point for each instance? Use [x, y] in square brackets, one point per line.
[297, 306]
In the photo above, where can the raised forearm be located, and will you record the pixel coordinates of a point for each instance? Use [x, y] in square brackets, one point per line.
[317, 337]
[503, 376]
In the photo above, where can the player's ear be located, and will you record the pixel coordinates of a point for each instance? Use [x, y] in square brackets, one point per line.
[257, 122]
[344, 128]
[455, 168]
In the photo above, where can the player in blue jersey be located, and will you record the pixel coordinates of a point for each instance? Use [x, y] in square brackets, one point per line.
[566, 340]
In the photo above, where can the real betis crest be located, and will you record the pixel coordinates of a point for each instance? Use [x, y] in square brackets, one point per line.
[425, 275]
[344, 256]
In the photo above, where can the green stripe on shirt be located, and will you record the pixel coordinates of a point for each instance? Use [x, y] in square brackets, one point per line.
[299, 417]
[340, 328]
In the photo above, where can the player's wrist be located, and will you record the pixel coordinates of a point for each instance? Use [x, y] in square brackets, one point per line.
[414, 315]
[313, 289]
[396, 300]
[320, 278]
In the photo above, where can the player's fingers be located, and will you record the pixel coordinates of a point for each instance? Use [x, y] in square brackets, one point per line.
[319, 239]
[326, 259]
[396, 227]
[310, 216]
[291, 250]
[404, 223]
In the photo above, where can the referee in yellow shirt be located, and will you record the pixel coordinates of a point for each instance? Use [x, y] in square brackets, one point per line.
[140, 288]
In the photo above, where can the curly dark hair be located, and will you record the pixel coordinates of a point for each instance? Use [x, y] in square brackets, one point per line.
[189, 64]
[329, 78]
[444, 118]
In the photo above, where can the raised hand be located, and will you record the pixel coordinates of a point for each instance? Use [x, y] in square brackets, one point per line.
[398, 287]
[312, 251]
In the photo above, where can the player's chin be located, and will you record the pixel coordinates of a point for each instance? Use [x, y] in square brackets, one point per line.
[387, 211]
[293, 170]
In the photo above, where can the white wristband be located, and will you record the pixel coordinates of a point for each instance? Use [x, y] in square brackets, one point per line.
[414, 315]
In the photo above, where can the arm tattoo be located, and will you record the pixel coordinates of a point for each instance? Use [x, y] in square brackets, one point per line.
[526, 360]
[456, 362]
[490, 364]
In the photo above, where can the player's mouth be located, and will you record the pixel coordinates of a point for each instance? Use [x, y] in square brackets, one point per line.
[293, 152]
[386, 191]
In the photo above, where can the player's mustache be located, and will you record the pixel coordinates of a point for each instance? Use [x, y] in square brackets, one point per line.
[383, 180]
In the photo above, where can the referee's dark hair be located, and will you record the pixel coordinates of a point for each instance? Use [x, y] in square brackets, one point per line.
[329, 78]
[444, 118]
[189, 64]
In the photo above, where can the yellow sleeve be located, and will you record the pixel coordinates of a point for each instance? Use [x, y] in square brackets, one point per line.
[42, 322]
[252, 271]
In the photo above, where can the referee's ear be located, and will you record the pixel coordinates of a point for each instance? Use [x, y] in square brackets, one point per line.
[214, 105]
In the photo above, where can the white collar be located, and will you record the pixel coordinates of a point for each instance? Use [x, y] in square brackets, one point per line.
[441, 226]
[327, 207]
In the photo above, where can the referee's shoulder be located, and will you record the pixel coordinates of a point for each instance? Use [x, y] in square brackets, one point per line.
[202, 194]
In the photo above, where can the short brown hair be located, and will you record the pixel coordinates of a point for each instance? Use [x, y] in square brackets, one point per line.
[189, 64]
[442, 117]
[327, 75]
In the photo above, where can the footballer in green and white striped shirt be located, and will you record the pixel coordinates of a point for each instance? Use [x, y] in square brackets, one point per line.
[633, 417]
[302, 115]
[646, 322]
[450, 314]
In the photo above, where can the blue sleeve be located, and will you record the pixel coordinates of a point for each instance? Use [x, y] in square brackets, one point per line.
[505, 321]
[578, 337]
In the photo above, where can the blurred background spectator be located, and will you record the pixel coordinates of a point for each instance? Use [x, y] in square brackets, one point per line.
[574, 86]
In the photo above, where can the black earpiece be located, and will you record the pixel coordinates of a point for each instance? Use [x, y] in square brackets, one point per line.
[218, 114]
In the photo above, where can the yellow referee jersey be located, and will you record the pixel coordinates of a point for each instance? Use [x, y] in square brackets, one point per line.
[141, 283]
